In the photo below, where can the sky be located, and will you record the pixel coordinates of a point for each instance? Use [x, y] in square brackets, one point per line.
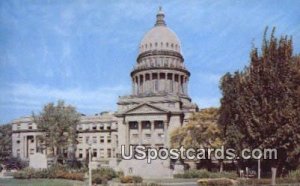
[83, 51]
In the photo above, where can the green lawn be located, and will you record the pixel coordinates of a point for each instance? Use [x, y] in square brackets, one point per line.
[39, 182]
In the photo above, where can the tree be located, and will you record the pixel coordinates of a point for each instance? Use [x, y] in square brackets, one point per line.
[260, 105]
[201, 131]
[58, 122]
[5, 141]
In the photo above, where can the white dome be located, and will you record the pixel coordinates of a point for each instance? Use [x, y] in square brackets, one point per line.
[160, 37]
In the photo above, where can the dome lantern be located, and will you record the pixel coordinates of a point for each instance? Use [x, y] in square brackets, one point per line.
[160, 18]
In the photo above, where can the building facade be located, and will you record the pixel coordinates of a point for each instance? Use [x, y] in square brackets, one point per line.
[158, 104]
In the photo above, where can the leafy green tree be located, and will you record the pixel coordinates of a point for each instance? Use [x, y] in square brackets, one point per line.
[260, 105]
[202, 131]
[58, 122]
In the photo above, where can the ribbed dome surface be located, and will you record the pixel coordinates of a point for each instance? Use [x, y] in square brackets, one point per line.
[160, 37]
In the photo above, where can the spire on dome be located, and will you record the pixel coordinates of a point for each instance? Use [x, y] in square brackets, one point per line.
[160, 18]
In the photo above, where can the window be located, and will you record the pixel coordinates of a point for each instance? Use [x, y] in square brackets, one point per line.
[87, 139]
[32, 140]
[101, 127]
[80, 153]
[161, 135]
[146, 125]
[94, 139]
[18, 141]
[101, 153]
[109, 153]
[94, 127]
[31, 151]
[148, 136]
[109, 139]
[18, 153]
[158, 124]
[101, 139]
[80, 139]
[133, 125]
[156, 85]
[113, 153]
[108, 127]
[94, 153]
[30, 126]
[18, 126]
[65, 152]
[172, 105]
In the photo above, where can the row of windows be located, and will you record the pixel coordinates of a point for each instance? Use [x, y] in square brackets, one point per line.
[29, 126]
[95, 127]
[148, 136]
[161, 44]
[146, 125]
[109, 153]
[30, 151]
[171, 64]
[94, 139]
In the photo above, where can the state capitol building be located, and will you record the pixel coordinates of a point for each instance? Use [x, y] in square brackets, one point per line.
[158, 104]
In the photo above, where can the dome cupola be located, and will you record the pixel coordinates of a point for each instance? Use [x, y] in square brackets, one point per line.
[160, 37]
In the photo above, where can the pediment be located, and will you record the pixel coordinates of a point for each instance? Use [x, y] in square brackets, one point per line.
[145, 108]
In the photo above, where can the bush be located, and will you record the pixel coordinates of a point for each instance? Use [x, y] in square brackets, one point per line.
[264, 181]
[217, 182]
[26, 173]
[102, 175]
[295, 175]
[137, 179]
[107, 172]
[202, 173]
[52, 172]
[14, 163]
[131, 179]
[99, 179]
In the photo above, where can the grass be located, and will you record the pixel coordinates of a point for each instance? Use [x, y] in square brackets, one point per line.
[40, 182]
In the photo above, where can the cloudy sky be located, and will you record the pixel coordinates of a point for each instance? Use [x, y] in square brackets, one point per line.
[83, 51]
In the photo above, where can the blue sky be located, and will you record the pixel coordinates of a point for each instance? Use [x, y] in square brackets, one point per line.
[83, 51]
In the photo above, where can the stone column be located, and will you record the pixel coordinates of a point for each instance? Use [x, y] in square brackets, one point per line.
[152, 134]
[144, 83]
[151, 87]
[138, 84]
[187, 85]
[166, 82]
[141, 84]
[140, 132]
[24, 146]
[35, 144]
[132, 85]
[181, 84]
[127, 135]
[166, 143]
[173, 83]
